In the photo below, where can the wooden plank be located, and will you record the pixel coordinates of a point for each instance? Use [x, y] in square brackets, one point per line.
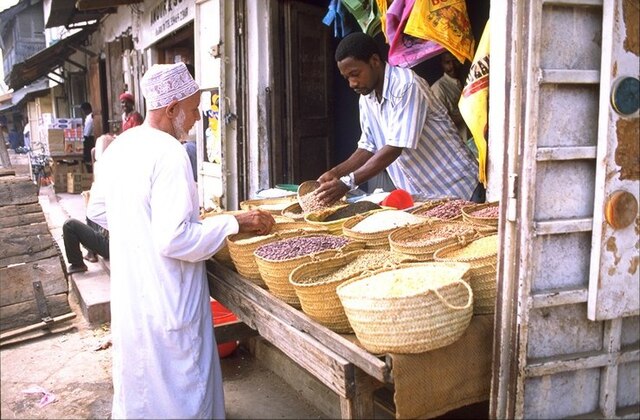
[231, 290]
[574, 77]
[583, 3]
[27, 258]
[565, 153]
[361, 405]
[18, 286]
[17, 190]
[19, 331]
[573, 362]
[331, 369]
[21, 215]
[26, 313]
[24, 241]
[560, 297]
[555, 227]
[7, 172]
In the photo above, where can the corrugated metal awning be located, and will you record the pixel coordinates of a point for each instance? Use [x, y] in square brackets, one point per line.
[41, 64]
[72, 13]
[35, 90]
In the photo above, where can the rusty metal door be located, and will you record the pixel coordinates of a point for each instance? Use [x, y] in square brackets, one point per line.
[551, 360]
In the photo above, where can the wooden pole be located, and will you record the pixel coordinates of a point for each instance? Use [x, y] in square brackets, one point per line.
[4, 155]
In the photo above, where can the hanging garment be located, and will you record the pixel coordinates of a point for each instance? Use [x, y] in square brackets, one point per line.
[382, 15]
[445, 22]
[342, 20]
[406, 50]
[365, 13]
[474, 102]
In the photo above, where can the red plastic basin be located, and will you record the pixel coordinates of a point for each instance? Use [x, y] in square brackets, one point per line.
[221, 315]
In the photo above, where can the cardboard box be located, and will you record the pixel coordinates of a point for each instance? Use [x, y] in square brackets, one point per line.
[76, 183]
[61, 170]
[55, 140]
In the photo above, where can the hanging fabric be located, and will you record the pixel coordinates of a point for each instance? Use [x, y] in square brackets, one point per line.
[343, 22]
[365, 13]
[382, 14]
[406, 50]
[474, 102]
[445, 22]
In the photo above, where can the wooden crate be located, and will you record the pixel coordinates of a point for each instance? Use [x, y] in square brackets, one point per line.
[31, 266]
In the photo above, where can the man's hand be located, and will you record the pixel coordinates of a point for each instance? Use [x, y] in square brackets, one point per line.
[327, 176]
[331, 191]
[255, 221]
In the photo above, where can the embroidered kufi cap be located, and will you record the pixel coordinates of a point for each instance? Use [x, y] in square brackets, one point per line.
[163, 83]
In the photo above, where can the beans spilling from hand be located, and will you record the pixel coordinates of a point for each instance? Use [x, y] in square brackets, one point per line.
[298, 246]
[447, 210]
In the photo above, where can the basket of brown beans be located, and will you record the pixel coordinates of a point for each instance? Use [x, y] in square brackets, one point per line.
[447, 209]
[422, 240]
[482, 214]
[276, 260]
[482, 255]
[315, 283]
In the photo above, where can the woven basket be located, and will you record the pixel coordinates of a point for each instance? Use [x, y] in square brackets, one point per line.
[294, 211]
[319, 299]
[419, 211]
[276, 273]
[433, 310]
[242, 253]
[316, 218]
[398, 238]
[486, 221]
[483, 274]
[271, 205]
[373, 240]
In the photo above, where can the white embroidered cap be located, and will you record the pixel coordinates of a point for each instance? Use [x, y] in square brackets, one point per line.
[163, 83]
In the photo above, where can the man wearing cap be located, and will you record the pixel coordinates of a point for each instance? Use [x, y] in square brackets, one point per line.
[130, 117]
[165, 359]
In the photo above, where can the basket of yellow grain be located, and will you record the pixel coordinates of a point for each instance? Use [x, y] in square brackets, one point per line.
[315, 284]
[276, 260]
[420, 241]
[409, 309]
[374, 228]
[481, 254]
[242, 245]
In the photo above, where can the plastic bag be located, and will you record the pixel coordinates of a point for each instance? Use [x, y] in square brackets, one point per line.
[445, 22]
[365, 13]
[474, 102]
[406, 50]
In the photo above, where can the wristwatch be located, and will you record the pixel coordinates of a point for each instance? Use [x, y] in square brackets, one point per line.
[349, 181]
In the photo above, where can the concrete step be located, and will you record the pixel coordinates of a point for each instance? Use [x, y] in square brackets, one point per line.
[92, 289]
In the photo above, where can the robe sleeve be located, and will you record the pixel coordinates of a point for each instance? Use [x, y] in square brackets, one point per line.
[176, 230]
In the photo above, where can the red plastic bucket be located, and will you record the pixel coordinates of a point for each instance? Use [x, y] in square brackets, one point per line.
[221, 315]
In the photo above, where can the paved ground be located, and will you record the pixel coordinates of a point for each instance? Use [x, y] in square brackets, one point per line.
[68, 366]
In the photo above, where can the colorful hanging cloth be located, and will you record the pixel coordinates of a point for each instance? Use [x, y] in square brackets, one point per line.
[445, 22]
[382, 14]
[474, 102]
[365, 13]
[342, 21]
[406, 50]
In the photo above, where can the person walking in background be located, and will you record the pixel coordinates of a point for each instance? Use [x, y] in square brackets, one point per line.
[405, 131]
[130, 117]
[89, 140]
[165, 360]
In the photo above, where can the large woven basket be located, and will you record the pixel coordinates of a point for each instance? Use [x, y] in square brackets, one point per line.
[294, 211]
[275, 273]
[418, 242]
[430, 206]
[272, 205]
[316, 218]
[373, 240]
[242, 245]
[318, 298]
[467, 214]
[483, 271]
[411, 309]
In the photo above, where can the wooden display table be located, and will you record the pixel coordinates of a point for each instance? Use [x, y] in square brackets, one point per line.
[334, 359]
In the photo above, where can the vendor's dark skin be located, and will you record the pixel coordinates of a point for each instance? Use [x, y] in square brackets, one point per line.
[363, 77]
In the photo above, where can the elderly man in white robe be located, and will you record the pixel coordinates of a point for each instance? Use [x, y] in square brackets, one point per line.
[165, 360]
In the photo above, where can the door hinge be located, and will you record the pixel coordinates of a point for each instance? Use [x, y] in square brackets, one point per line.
[512, 198]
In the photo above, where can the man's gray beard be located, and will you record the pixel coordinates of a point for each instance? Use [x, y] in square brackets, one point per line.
[178, 125]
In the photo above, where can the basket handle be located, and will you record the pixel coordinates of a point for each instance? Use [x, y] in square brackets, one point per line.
[447, 304]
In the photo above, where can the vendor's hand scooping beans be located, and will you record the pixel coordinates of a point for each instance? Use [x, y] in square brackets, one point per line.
[255, 221]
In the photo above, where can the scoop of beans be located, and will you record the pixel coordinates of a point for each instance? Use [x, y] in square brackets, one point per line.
[447, 210]
[492, 211]
[310, 202]
[286, 249]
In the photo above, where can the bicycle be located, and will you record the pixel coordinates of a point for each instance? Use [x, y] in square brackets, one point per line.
[40, 169]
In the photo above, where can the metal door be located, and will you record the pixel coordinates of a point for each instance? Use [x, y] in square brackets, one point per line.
[552, 72]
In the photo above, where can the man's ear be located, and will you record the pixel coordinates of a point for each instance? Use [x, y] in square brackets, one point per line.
[375, 60]
[172, 109]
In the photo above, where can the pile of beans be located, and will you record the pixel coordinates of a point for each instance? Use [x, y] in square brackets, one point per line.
[478, 248]
[351, 210]
[385, 220]
[310, 202]
[491, 212]
[367, 261]
[298, 246]
[436, 235]
[447, 210]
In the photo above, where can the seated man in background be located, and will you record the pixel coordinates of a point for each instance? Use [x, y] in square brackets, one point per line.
[90, 235]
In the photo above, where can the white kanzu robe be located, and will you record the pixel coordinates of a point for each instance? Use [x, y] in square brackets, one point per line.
[165, 360]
